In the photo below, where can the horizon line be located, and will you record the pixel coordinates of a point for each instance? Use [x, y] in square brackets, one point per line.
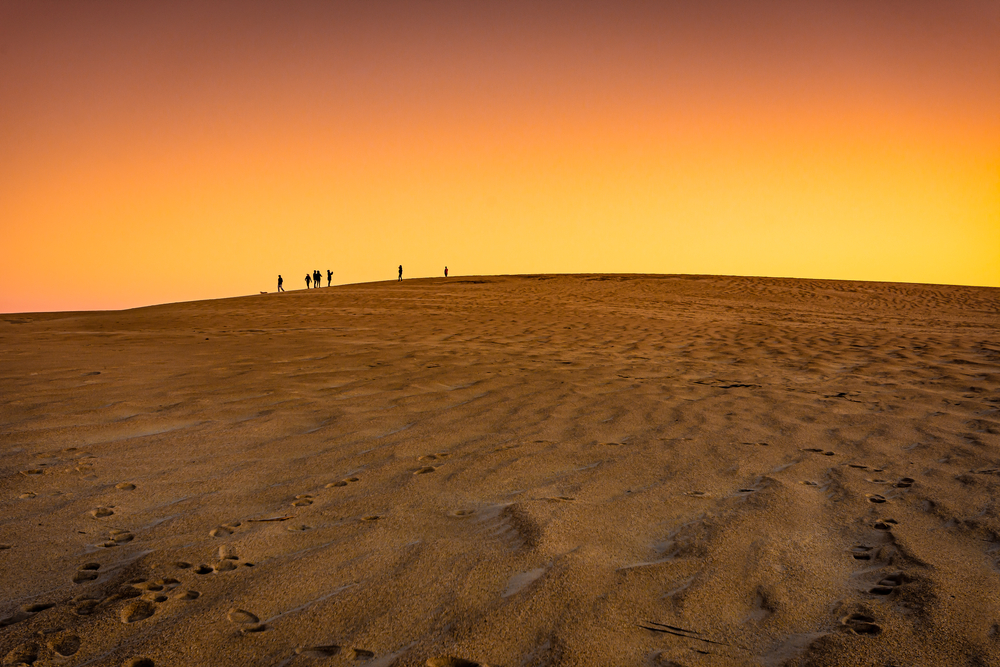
[498, 275]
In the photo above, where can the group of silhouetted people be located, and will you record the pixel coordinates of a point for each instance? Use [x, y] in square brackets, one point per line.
[315, 279]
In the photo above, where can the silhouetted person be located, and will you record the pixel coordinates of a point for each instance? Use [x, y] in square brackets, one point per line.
[280, 281]
[316, 278]
[308, 280]
[400, 272]
[329, 277]
[446, 272]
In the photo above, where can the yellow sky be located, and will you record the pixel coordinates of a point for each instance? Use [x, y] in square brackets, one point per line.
[140, 173]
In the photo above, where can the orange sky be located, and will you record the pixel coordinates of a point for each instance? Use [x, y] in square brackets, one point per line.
[171, 151]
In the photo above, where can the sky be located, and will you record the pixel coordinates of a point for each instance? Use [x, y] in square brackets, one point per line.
[155, 152]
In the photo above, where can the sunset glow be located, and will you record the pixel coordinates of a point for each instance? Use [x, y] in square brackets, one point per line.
[172, 151]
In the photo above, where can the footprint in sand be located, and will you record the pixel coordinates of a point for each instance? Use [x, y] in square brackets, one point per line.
[117, 537]
[15, 618]
[861, 552]
[303, 500]
[65, 646]
[888, 584]
[246, 621]
[241, 616]
[451, 661]
[360, 654]
[157, 585]
[696, 494]
[224, 529]
[325, 651]
[87, 572]
[434, 457]
[343, 482]
[818, 451]
[371, 517]
[26, 612]
[875, 498]
[462, 512]
[137, 610]
[138, 662]
[85, 605]
[204, 569]
[33, 471]
[884, 524]
[89, 477]
[560, 499]
[26, 653]
[188, 595]
[101, 512]
[861, 624]
[904, 483]
[425, 470]
[125, 486]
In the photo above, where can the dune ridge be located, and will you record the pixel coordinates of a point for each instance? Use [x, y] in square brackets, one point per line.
[507, 470]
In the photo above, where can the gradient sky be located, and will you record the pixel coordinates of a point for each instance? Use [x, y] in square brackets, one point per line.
[168, 151]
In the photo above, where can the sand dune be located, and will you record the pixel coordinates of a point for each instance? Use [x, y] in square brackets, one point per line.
[523, 470]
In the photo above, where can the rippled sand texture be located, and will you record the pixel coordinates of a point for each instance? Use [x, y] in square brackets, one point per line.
[533, 470]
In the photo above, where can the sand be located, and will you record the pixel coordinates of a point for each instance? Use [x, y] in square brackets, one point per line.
[519, 470]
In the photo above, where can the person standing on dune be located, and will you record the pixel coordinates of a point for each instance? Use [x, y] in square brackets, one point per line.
[446, 272]
[400, 272]
[280, 288]
[329, 277]
[308, 280]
